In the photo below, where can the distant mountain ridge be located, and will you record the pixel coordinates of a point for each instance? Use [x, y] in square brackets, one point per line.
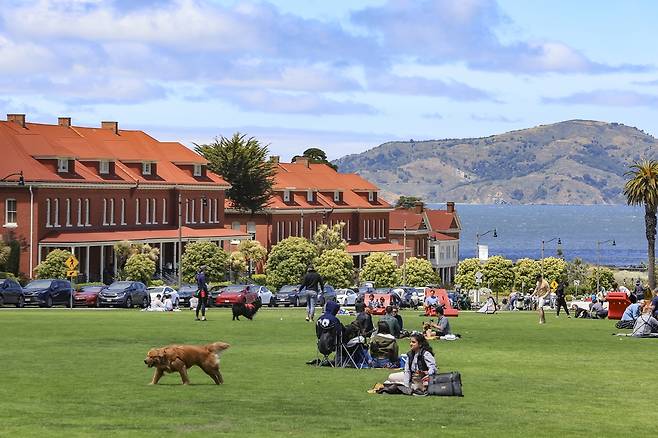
[571, 162]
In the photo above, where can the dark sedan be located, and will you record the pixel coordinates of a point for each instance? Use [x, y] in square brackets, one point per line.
[289, 295]
[46, 293]
[185, 294]
[87, 296]
[329, 294]
[11, 292]
[125, 294]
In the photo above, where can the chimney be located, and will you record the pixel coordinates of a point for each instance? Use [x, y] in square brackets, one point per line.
[301, 160]
[17, 118]
[64, 121]
[450, 207]
[112, 126]
[274, 159]
[418, 207]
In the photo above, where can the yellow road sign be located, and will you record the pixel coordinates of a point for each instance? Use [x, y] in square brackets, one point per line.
[72, 273]
[72, 262]
[553, 284]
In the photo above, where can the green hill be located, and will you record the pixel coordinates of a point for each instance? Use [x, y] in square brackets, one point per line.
[572, 162]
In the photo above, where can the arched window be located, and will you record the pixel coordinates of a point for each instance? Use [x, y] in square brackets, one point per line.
[123, 211]
[201, 218]
[216, 218]
[87, 223]
[137, 222]
[164, 211]
[79, 212]
[192, 212]
[104, 211]
[68, 212]
[148, 211]
[154, 217]
[56, 224]
[187, 211]
[112, 211]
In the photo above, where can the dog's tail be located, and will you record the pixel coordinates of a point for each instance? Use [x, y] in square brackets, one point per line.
[216, 347]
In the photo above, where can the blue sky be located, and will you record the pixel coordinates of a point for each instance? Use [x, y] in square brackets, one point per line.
[344, 76]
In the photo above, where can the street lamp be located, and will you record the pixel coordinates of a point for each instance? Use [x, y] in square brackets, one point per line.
[543, 243]
[598, 258]
[21, 180]
[477, 240]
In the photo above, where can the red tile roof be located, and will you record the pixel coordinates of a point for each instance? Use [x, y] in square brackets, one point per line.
[441, 219]
[22, 146]
[74, 237]
[366, 248]
[441, 236]
[400, 216]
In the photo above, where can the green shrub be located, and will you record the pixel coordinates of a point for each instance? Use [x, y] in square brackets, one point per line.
[157, 283]
[259, 279]
[289, 260]
[381, 269]
[140, 267]
[53, 266]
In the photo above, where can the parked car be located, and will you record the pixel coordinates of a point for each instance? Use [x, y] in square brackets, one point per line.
[11, 292]
[266, 296]
[346, 297]
[125, 294]
[185, 293]
[87, 296]
[234, 294]
[289, 295]
[328, 294]
[153, 291]
[47, 293]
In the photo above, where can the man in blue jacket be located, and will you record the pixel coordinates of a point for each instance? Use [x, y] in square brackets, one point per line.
[329, 329]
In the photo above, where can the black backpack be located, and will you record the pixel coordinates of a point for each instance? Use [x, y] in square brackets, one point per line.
[445, 384]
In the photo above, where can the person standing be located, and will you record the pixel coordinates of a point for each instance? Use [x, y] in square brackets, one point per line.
[561, 300]
[202, 287]
[312, 284]
[541, 292]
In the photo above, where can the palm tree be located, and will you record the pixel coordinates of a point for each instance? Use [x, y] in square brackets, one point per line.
[642, 188]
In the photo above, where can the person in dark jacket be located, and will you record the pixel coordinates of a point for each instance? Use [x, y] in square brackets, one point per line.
[329, 330]
[392, 322]
[364, 319]
[312, 284]
[202, 287]
[383, 347]
[561, 301]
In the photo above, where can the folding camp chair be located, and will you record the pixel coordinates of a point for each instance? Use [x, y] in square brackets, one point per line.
[355, 353]
[329, 341]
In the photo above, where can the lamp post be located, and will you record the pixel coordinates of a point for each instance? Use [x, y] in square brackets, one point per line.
[598, 258]
[19, 174]
[543, 243]
[477, 240]
[180, 238]
[404, 254]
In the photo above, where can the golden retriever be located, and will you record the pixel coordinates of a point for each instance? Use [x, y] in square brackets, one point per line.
[181, 357]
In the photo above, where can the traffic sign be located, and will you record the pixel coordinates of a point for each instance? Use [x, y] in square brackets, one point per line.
[576, 282]
[553, 284]
[478, 280]
[72, 273]
[478, 275]
[72, 262]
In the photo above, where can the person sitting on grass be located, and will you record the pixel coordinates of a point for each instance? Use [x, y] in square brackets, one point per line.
[391, 321]
[645, 325]
[372, 302]
[383, 347]
[654, 303]
[156, 304]
[597, 310]
[631, 313]
[418, 368]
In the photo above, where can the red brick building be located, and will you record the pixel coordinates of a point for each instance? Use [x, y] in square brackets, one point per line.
[308, 195]
[429, 234]
[88, 188]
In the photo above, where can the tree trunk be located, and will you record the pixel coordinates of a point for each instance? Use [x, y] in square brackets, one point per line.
[650, 221]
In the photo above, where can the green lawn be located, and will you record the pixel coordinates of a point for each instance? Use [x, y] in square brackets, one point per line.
[81, 373]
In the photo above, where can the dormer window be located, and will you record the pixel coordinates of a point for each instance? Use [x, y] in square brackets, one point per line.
[336, 196]
[371, 197]
[146, 168]
[286, 196]
[62, 165]
[197, 170]
[104, 167]
[309, 195]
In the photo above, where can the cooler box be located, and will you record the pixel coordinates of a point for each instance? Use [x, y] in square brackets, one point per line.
[617, 303]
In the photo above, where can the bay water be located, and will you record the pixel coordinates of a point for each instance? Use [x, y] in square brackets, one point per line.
[521, 229]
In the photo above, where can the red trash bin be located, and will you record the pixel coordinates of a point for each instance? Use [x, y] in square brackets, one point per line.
[617, 303]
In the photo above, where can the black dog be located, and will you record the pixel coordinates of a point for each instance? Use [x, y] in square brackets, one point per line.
[246, 310]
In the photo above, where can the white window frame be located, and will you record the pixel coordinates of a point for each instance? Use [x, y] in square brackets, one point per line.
[336, 196]
[210, 205]
[56, 222]
[192, 211]
[104, 167]
[48, 213]
[147, 168]
[80, 212]
[309, 195]
[11, 212]
[137, 221]
[164, 211]
[348, 230]
[202, 220]
[112, 212]
[187, 211]
[286, 196]
[123, 211]
[147, 220]
[198, 171]
[62, 165]
[371, 196]
[154, 212]
[87, 223]
[68, 212]
[104, 211]
[216, 212]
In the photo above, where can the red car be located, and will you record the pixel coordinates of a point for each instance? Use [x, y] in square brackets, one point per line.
[235, 294]
[87, 296]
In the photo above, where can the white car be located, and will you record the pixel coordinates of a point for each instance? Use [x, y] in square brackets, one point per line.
[346, 297]
[161, 290]
[266, 296]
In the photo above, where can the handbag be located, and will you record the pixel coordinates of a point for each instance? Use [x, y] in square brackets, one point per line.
[446, 384]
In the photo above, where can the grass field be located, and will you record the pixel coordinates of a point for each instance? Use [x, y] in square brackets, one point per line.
[81, 373]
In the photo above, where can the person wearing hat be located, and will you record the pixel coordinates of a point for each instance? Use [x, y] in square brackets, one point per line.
[312, 283]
